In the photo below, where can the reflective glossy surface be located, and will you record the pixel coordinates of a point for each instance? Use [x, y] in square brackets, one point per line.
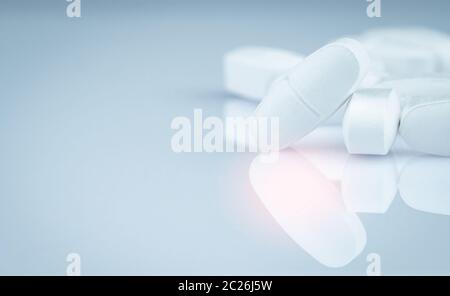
[86, 165]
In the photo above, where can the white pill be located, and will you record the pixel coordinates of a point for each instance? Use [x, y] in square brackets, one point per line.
[249, 71]
[371, 121]
[309, 208]
[337, 117]
[425, 126]
[425, 88]
[409, 52]
[424, 123]
[369, 183]
[375, 76]
[314, 89]
[424, 184]
[402, 62]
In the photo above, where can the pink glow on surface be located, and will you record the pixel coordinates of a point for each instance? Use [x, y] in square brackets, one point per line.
[309, 208]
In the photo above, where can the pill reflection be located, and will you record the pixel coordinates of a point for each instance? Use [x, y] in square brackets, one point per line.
[325, 149]
[369, 183]
[424, 184]
[309, 208]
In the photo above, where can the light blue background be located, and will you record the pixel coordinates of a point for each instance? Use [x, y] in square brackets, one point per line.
[85, 158]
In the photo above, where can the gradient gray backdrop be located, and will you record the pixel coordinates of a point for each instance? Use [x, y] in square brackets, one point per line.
[85, 158]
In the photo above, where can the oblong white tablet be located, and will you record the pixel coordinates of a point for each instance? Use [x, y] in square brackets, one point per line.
[424, 184]
[409, 52]
[315, 89]
[374, 76]
[371, 121]
[426, 88]
[425, 126]
[401, 61]
[424, 123]
[309, 208]
[249, 71]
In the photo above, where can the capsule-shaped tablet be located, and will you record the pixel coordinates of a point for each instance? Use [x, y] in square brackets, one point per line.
[409, 52]
[375, 76]
[309, 208]
[249, 71]
[424, 123]
[315, 89]
[371, 121]
[421, 88]
[425, 126]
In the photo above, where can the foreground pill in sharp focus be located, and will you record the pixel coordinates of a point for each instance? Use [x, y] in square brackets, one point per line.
[249, 71]
[371, 121]
[375, 76]
[314, 89]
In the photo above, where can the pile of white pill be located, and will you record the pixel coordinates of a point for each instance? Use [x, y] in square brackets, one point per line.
[377, 85]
